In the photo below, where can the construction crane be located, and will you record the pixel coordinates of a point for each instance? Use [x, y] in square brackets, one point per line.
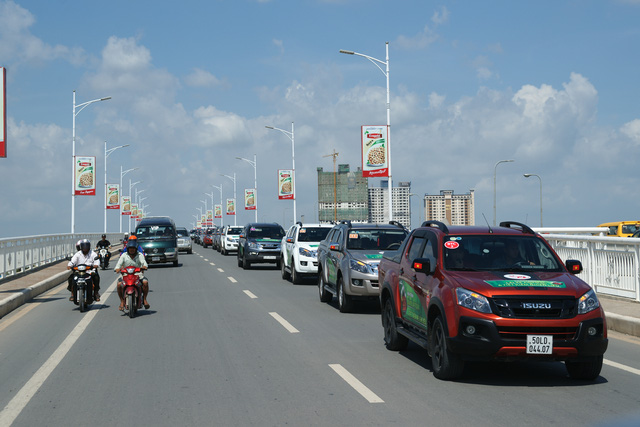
[335, 201]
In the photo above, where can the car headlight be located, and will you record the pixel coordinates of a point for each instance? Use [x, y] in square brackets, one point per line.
[254, 245]
[360, 266]
[308, 253]
[472, 300]
[588, 302]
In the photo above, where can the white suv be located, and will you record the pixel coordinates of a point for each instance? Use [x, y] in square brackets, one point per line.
[299, 250]
[229, 239]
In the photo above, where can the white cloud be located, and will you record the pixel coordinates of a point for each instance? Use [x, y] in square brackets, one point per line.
[202, 78]
[440, 17]
[632, 130]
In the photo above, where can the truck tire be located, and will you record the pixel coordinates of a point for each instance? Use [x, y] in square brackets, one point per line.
[345, 302]
[584, 369]
[446, 365]
[325, 296]
[392, 340]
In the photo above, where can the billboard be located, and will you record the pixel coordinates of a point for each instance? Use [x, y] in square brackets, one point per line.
[285, 184]
[113, 196]
[231, 206]
[126, 205]
[250, 199]
[218, 211]
[209, 217]
[3, 112]
[85, 177]
[375, 151]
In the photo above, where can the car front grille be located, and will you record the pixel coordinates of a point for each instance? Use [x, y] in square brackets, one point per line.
[520, 333]
[535, 307]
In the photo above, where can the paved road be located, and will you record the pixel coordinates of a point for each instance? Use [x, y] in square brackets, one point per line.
[225, 346]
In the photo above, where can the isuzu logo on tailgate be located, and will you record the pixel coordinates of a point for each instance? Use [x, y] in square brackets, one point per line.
[530, 305]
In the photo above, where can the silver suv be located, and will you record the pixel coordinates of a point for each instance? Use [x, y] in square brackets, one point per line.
[348, 260]
[299, 250]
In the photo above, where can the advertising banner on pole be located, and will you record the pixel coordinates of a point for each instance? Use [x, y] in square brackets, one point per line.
[285, 184]
[85, 177]
[250, 199]
[209, 217]
[375, 151]
[231, 206]
[3, 112]
[134, 211]
[126, 205]
[113, 196]
[218, 211]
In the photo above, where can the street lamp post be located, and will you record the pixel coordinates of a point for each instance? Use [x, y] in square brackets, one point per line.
[130, 203]
[210, 195]
[141, 208]
[137, 207]
[494, 187]
[527, 175]
[255, 182]
[219, 187]
[122, 174]
[80, 107]
[106, 154]
[291, 136]
[375, 62]
[235, 201]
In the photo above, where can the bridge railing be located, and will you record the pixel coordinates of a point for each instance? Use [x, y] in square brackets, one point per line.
[21, 254]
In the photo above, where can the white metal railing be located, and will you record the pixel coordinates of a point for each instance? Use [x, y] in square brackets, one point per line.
[21, 254]
[611, 264]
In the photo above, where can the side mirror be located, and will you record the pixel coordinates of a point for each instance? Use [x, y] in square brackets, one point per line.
[289, 239]
[574, 266]
[241, 236]
[423, 265]
[334, 247]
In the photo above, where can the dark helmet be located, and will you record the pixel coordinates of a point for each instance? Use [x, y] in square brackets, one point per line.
[132, 243]
[104, 236]
[78, 245]
[85, 245]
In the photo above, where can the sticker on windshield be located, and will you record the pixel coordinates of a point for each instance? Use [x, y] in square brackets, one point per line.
[373, 256]
[524, 283]
[451, 245]
[353, 235]
[303, 230]
[517, 276]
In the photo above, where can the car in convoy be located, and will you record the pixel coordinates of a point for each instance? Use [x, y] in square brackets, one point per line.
[348, 260]
[299, 250]
[158, 239]
[470, 293]
[229, 238]
[259, 243]
[207, 238]
[184, 240]
[217, 234]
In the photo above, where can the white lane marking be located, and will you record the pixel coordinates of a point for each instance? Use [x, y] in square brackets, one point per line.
[288, 326]
[211, 263]
[22, 398]
[232, 280]
[356, 384]
[206, 259]
[621, 366]
[220, 270]
[251, 294]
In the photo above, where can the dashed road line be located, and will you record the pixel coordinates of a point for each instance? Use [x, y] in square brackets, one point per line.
[211, 263]
[621, 366]
[356, 384]
[251, 294]
[232, 280]
[220, 270]
[288, 326]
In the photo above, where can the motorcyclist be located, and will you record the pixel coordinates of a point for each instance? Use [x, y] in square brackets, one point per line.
[104, 243]
[87, 257]
[133, 257]
[126, 237]
[131, 238]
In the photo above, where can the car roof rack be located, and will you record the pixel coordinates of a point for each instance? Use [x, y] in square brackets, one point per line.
[397, 224]
[346, 221]
[525, 228]
[437, 224]
[299, 223]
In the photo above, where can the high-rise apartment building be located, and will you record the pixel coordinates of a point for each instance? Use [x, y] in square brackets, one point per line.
[379, 203]
[349, 190]
[456, 209]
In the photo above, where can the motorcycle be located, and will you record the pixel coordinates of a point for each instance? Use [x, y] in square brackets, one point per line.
[83, 286]
[132, 289]
[103, 256]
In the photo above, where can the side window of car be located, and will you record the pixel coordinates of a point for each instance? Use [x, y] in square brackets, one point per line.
[429, 248]
[415, 248]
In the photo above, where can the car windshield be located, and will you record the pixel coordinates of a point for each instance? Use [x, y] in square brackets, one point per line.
[182, 232]
[266, 232]
[234, 230]
[313, 234]
[155, 231]
[375, 239]
[499, 253]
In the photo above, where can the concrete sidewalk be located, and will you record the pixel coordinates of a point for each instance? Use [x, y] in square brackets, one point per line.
[623, 315]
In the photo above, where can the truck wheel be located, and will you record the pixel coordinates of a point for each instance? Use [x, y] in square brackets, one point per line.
[245, 264]
[446, 365]
[585, 369]
[392, 339]
[296, 279]
[283, 270]
[325, 296]
[345, 302]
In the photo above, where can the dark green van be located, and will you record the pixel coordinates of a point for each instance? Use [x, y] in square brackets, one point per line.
[158, 239]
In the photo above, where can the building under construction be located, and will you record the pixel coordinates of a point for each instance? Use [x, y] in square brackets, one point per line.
[343, 195]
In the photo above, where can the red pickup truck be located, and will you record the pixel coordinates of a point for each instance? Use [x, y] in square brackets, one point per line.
[489, 293]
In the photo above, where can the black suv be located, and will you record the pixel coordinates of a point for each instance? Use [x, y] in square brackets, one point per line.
[260, 243]
[348, 260]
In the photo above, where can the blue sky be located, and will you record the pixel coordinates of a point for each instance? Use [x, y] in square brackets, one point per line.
[550, 84]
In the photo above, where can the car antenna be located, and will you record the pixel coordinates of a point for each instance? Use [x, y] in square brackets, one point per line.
[485, 220]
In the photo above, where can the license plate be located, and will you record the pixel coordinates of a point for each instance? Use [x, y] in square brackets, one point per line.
[539, 344]
[155, 258]
[269, 257]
